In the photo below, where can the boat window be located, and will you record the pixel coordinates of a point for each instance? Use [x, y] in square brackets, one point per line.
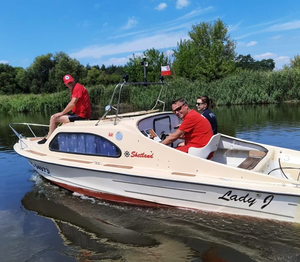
[83, 143]
[162, 124]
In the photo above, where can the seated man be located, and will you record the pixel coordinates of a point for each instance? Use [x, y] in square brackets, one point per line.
[195, 128]
[80, 105]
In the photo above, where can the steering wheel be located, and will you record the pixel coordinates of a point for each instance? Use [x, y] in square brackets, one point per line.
[163, 135]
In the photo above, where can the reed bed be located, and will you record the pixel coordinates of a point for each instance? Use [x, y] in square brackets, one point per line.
[245, 87]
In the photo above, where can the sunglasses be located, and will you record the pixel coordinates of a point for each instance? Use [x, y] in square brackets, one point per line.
[198, 104]
[178, 108]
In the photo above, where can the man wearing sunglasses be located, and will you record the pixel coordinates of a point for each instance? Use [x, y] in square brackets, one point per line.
[195, 128]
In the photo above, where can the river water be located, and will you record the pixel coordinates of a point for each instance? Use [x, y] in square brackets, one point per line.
[42, 222]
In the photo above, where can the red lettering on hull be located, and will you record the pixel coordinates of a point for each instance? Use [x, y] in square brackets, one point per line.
[141, 155]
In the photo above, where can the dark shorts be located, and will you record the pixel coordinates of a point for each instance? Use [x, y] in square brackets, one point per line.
[74, 117]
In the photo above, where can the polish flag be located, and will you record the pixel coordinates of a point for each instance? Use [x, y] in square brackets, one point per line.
[165, 71]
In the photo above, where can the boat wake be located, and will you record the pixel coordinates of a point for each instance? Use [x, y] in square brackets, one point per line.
[103, 230]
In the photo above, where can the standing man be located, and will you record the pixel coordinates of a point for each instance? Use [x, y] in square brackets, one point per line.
[195, 128]
[80, 105]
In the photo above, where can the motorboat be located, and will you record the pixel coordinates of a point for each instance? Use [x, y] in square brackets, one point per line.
[119, 157]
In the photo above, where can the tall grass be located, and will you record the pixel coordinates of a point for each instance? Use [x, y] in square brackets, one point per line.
[245, 87]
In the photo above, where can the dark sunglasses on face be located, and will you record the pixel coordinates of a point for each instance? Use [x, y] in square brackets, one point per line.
[198, 104]
[178, 109]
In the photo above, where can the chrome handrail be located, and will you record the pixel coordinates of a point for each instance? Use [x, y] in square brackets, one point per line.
[110, 106]
[20, 136]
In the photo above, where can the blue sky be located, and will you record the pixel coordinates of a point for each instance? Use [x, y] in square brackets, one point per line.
[110, 31]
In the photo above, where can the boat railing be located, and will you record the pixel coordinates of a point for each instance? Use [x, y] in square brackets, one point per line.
[161, 98]
[29, 127]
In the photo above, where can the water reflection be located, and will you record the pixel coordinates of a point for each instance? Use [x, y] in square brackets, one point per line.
[104, 230]
[243, 118]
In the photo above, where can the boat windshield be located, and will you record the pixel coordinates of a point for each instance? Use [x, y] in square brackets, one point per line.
[115, 101]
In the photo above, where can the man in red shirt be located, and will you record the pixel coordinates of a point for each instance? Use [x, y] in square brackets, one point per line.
[195, 128]
[80, 105]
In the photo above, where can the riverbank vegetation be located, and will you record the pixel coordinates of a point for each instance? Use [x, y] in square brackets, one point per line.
[245, 87]
[206, 64]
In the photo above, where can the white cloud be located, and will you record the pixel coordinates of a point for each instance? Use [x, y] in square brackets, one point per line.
[115, 61]
[124, 59]
[283, 58]
[275, 28]
[182, 3]
[3, 62]
[265, 56]
[158, 41]
[232, 28]
[169, 52]
[252, 43]
[281, 61]
[132, 22]
[161, 7]
[285, 27]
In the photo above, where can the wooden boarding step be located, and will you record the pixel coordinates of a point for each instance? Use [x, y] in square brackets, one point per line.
[252, 160]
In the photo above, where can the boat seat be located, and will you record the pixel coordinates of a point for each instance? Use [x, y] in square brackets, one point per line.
[252, 160]
[205, 151]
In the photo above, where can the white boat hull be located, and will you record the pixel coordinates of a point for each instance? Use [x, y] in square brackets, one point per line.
[149, 191]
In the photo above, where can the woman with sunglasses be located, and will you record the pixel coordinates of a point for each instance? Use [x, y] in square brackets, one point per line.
[195, 128]
[203, 105]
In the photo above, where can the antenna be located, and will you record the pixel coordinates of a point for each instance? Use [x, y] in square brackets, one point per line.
[144, 64]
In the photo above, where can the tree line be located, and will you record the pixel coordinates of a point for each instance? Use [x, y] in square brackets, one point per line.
[209, 55]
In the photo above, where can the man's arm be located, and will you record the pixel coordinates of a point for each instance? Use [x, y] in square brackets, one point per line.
[173, 136]
[68, 108]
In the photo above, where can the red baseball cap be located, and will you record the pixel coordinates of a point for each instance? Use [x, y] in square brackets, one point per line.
[68, 78]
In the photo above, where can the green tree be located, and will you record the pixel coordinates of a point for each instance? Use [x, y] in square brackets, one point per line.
[93, 76]
[245, 62]
[248, 63]
[265, 65]
[209, 54]
[295, 63]
[8, 84]
[134, 69]
[38, 73]
[63, 64]
[154, 59]
[22, 79]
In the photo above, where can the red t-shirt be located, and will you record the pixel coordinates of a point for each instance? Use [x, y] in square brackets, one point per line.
[197, 130]
[83, 105]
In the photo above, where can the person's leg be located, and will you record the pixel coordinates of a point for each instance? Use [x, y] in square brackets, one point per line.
[54, 121]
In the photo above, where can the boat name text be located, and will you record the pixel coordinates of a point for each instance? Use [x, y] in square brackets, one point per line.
[229, 196]
[41, 168]
[141, 155]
